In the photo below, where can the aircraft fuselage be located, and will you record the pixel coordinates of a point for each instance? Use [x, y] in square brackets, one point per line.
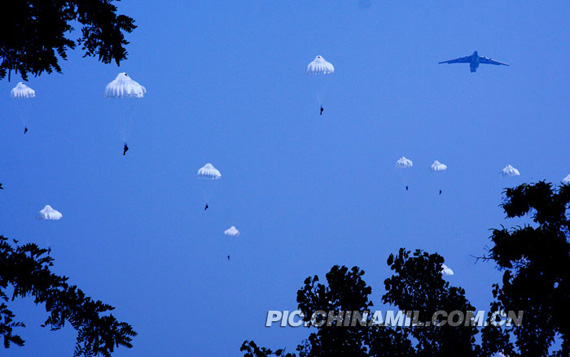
[474, 62]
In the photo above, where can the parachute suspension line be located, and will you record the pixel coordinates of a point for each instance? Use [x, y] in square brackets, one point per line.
[22, 112]
[22, 94]
[320, 69]
[321, 96]
[123, 122]
[128, 112]
[208, 175]
[126, 91]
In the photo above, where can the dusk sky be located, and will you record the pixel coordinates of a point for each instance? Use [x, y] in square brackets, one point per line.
[226, 84]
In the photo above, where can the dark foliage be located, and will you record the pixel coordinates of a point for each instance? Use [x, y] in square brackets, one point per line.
[345, 291]
[252, 350]
[34, 34]
[416, 285]
[536, 264]
[26, 269]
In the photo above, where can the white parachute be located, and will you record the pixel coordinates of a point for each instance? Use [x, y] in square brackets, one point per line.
[445, 270]
[49, 214]
[510, 171]
[232, 232]
[320, 66]
[209, 172]
[404, 175]
[124, 89]
[320, 69]
[438, 166]
[208, 175]
[566, 180]
[403, 163]
[22, 91]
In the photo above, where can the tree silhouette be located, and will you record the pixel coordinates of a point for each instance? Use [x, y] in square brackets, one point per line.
[345, 291]
[34, 33]
[417, 285]
[536, 280]
[26, 269]
[252, 350]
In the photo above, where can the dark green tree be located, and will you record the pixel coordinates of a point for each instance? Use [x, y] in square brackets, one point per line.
[345, 291]
[252, 350]
[35, 34]
[418, 285]
[536, 263]
[26, 269]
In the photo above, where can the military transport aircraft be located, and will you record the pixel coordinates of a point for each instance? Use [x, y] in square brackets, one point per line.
[474, 61]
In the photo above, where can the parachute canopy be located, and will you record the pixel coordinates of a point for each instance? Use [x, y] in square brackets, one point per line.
[124, 87]
[48, 213]
[320, 66]
[510, 171]
[402, 163]
[232, 232]
[21, 91]
[438, 166]
[209, 172]
[445, 270]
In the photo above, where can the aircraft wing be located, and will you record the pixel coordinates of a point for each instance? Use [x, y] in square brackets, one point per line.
[488, 60]
[458, 60]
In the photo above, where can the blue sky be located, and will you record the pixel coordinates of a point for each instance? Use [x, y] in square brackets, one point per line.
[227, 85]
